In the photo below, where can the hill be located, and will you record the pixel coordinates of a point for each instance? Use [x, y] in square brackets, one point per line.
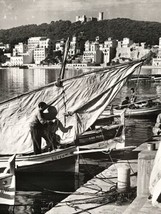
[138, 31]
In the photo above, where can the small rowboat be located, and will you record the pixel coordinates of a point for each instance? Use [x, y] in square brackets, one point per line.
[137, 112]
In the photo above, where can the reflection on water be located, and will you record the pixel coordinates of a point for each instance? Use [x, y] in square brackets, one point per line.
[15, 81]
[138, 131]
[37, 192]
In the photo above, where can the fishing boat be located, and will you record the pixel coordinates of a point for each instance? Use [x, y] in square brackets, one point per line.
[79, 101]
[140, 111]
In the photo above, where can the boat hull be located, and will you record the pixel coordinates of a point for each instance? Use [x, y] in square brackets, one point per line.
[136, 113]
[54, 161]
[101, 134]
[7, 189]
[64, 159]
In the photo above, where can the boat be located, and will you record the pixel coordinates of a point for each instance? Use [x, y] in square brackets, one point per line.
[156, 78]
[61, 160]
[79, 100]
[141, 111]
[8, 183]
[23, 67]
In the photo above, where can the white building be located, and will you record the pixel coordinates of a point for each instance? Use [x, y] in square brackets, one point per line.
[157, 61]
[4, 46]
[44, 42]
[39, 55]
[76, 45]
[123, 49]
[81, 18]
[100, 16]
[109, 50]
[33, 42]
[25, 58]
[92, 53]
[59, 45]
[19, 49]
[16, 61]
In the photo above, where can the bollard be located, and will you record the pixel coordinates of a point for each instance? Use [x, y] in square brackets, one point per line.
[157, 145]
[123, 183]
[151, 146]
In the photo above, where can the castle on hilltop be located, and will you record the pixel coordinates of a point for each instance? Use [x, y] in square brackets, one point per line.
[84, 18]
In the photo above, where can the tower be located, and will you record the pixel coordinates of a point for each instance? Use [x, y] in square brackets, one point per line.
[100, 16]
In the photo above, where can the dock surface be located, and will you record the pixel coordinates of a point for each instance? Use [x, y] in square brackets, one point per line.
[98, 195]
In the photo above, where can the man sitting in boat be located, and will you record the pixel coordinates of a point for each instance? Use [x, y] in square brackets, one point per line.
[125, 103]
[132, 96]
[133, 99]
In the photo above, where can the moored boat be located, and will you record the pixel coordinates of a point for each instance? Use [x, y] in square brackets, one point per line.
[8, 183]
[139, 112]
[54, 161]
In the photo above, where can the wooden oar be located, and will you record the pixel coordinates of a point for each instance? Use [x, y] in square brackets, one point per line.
[143, 101]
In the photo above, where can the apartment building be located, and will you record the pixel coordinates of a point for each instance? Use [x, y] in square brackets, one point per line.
[157, 61]
[33, 42]
[109, 50]
[92, 53]
[19, 49]
[59, 45]
[40, 54]
[76, 45]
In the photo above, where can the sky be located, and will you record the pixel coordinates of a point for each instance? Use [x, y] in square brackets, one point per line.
[15, 13]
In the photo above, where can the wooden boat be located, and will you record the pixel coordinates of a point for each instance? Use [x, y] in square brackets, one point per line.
[8, 183]
[62, 159]
[142, 111]
[103, 129]
[54, 161]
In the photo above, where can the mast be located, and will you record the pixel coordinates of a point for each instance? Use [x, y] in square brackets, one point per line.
[62, 71]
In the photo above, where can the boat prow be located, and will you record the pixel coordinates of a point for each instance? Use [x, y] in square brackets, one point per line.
[8, 183]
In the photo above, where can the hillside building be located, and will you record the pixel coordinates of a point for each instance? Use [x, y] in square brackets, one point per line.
[19, 49]
[100, 16]
[40, 54]
[109, 50]
[81, 18]
[33, 42]
[24, 58]
[127, 50]
[84, 18]
[92, 53]
[123, 50]
[59, 45]
[4, 47]
[157, 61]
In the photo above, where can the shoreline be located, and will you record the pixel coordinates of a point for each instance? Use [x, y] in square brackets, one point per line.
[73, 66]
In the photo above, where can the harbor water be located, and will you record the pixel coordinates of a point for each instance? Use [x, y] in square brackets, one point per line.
[36, 193]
